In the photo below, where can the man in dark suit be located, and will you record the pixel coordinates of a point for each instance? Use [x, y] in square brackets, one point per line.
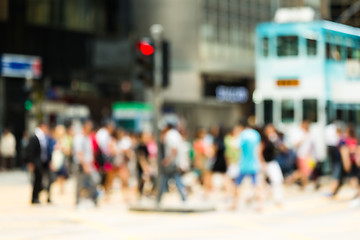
[37, 159]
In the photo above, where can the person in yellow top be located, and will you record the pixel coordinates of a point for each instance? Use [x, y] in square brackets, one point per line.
[232, 153]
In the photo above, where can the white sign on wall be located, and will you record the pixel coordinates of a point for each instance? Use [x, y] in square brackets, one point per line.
[232, 94]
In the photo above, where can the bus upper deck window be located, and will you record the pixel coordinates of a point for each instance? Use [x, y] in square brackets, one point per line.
[349, 53]
[341, 114]
[352, 116]
[336, 53]
[333, 52]
[268, 111]
[310, 110]
[287, 111]
[356, 54]
[287, 46]
[265, 46]
[328, 51]
[311, 47]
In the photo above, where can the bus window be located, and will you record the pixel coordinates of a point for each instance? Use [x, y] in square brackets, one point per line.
[268, 111]
[357, 116]
[356, 54]
[287, 46]
[328, 51]
[333, 52]
[311, 47]
[349, 53]
[336, 53]
[352, 116]
[310, 110]
[287, 111]
[265, 46]
[341, 114]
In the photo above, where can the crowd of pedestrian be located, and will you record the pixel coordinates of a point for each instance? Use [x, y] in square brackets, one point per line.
[96, 156]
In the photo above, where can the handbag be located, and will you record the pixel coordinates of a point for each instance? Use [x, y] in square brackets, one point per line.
[311, 162]
[57, 160]
[171, 168]
[233, 170]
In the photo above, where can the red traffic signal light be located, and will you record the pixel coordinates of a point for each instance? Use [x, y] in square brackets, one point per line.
[146, 48]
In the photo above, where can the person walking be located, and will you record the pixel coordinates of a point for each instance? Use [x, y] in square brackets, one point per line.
[270, 149]
[306, 154]
[87, 176]
[104, 141]
[249, 162]
[172, 140]
[143, 166]
[220, 163]
[202, 154]
[61, 151]
[7, 149]
[348, 150]
[24, 145]
[332, 140]
[37, 159]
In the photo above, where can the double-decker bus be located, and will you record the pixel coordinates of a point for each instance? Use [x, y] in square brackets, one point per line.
[307, 70]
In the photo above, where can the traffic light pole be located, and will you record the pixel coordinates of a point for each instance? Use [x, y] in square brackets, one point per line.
[156, 31]
[157, 100]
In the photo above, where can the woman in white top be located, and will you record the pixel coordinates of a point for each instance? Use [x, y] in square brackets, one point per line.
[7, 149]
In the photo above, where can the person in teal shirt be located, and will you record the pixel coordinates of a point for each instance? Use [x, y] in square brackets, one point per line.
[249, 161]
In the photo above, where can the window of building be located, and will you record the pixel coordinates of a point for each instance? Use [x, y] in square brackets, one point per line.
[265, 46]
[79, 15]
[287, 46]
[39, 12]
[287, 111]
[310, 110]
[268, 111]
[4, 10]
[311, 47]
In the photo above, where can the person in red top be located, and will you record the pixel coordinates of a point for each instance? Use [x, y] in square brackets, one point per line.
[201, 156]
[95, 147]
[348, 146]
[348, 151]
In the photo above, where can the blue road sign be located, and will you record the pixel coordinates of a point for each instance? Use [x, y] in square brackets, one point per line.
[21, 66]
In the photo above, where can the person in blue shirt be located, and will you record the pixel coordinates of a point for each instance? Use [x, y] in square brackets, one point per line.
[249, 141]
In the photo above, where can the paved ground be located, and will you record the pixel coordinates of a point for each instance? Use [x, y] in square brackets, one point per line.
[305, 215]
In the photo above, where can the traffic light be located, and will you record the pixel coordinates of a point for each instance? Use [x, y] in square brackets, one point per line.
[27, 98]
[28, 105]
[145, 61]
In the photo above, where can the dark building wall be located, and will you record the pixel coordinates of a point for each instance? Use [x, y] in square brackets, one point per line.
[65, 42]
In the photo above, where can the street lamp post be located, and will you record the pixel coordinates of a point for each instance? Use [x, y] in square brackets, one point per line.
[156, 31]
